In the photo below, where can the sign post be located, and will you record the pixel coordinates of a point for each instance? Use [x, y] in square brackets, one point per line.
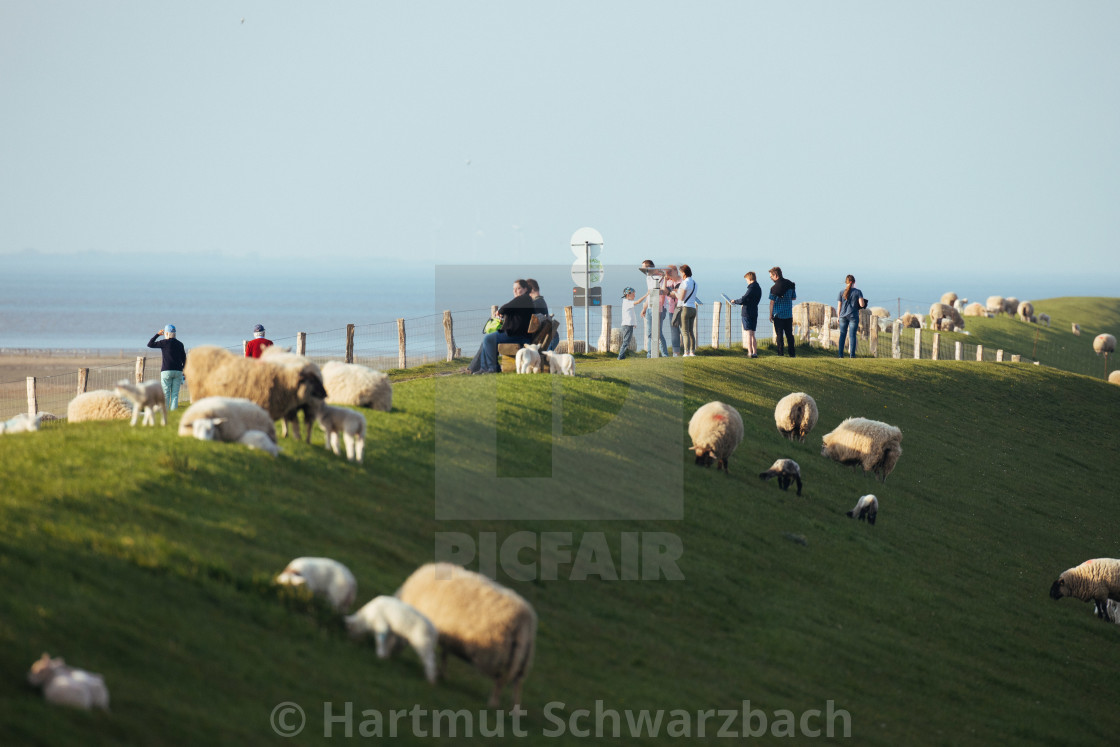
[587, 274]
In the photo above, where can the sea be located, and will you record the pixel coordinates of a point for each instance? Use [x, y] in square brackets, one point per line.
[115, 303]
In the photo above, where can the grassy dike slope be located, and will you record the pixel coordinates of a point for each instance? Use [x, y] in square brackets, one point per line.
[147, 557]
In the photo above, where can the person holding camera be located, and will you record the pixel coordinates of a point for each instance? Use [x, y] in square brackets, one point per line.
[848, 304]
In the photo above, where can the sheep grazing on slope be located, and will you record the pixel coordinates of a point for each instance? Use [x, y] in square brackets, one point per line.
[147, 396]
[339, 420]
[795, 415]
[1010, 305]
[528, 359]
[100, 404]
[279, 356]
[1044, 319]
[867, 508]
[560, 363]
[880, 312]
[787, 471]
[910, 321]
[871, 444]
[68, 686]
[391, 620]
[1114, 377]
[939, 311]
[976, 309]
[357, 386]
[225, 419]
[994, 304]
[1104, 344]
[1097, 580]
[322, 577]
[1026, 311]
[949, 298]
[1076, 329]
[716, 430]
[478, 620]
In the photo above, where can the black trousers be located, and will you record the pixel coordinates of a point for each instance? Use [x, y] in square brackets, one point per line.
[784, 327]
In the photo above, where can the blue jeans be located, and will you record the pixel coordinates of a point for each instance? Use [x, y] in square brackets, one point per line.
[660, 333]
[675, 333]
[489, 360]
[171, 381]
[848, 326]
[627, 336]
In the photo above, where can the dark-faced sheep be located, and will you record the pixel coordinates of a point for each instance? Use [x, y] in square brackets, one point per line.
[1096, 580]
[873, 445]
[787, 471]
[716, 429]
[867, 509]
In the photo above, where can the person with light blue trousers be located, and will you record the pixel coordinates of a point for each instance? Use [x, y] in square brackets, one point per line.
[171, 370]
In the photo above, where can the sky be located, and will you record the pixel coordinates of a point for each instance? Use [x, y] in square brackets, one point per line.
[981, 136]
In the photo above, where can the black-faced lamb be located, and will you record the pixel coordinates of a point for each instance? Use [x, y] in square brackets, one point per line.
[100, 404]
[867, 508]
[795, 415]
[349, 423]
[1096, 580]
[225, 419]
[787, 471]
[716, 430]
[390, 621]
[68, 686]
[147, 396]
[322, 577]
[1104, 344]
[358, 386]
[478, 620]
[873, 445]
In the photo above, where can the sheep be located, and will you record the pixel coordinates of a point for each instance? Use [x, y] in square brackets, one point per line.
[940, 311]
[716, 430]
[529, 359]
[1076, 328]
[323, 577]
[1114, 377]
[69, 686]
[795, 415]
[258, 440]
[879, 311]
[147, 395]
[352, 425]
[358, 386]
[959, 304]
[279, 356]
[560, 363]
[226, 419]
[24, 422]
[478, 620]
[867, 508]
[1026, 311]
[390, 619]
[994, 304]
[949, 298]
[874, 445]
[1010, 305]
[1044, 319]
[976, 309]
[1104, 343]
[100, 404]
[787, 471]
[910, 320]
[279, 388]
[1097, 579]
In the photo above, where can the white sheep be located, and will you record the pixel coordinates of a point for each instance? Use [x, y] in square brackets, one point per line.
[871, 444]
[230, 418]
[994, 304]
[258, 440]
[1104, 344]
[357, 386]
[939, 311]
[1044, 318]
[148, 396]
[478, 620]
[338, 420]
[1097, 580]
[23, 423]
[880, 312]
[949, 298]
[1026, 311]
[391, 620]
[322, 577]
[976, 309]
[795, 415]
[716, 429]
[787, 471]
[100, 404]
[528, 359]
[68, 686]
[867, 508]
[1076, 328]
[1114, 377]
[560, 363]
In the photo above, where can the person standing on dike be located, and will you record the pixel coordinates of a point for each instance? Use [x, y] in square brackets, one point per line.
[171, 370]
[848, 304]
[259, 342]
[782, 295]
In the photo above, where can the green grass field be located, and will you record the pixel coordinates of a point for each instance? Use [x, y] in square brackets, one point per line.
[148, 557]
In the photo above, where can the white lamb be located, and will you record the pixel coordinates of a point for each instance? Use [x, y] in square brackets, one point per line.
[100, 404]
[351, 424]
[147, 396]
[391, 620]
[795, 415]
[22, 423]
[258, 440]
[323, 577]
[68, 686]
[1044, 318]
[358, 386]
[867, 508]
[230, 418]
[528, 359]
[560, 363]
[1097, 580]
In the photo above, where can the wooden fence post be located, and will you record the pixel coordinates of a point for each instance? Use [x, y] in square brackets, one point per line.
[570, 328]
[717, 310]
[873, 340]
[83, 379]
[999, 356]
[957, 350]
[896, 339]
[493, 311]
[935, 352]
[826, 332]
[449, 335]
[139, 369]
[979, 352]
[727, 323]
[605, 333]
[402, 358]
[917, 344]
[1016, 358]
[32, 402]
[301, 343]
[244, 348]
[350, 341]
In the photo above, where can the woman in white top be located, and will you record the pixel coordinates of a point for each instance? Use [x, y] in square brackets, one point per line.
[686, 296]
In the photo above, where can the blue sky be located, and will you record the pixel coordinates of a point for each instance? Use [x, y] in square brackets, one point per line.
[861, 134]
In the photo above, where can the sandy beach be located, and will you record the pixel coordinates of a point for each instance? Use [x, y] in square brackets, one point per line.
[18, 366]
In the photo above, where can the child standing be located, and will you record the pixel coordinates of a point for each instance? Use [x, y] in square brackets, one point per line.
[629, 319]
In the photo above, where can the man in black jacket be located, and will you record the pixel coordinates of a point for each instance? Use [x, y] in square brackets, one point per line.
[515, 315]
[782, 295]
[174, 358]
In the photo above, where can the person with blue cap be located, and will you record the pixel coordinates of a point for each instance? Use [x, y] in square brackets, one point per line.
[174, 358]
[256, 346]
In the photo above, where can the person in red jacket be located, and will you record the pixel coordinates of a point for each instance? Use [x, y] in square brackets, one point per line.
[258, 343]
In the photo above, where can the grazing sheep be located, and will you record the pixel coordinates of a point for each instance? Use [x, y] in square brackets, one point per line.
[1114, 377]
[279, 356]
[528, 359]
[560, 363]
[148, 395]
[1076, 329]
[787, 471]
[1104, 344]
[390, 620]
[867, 508]
[478, 620]
[323, 577]
[258, 440]
[68, 686]
[939, 311]
[871, 444]
[100, 404]
[880, 312]
[994, 304]
[1097, 579]
[949, 298]
[23, 423]
[1044, 319]
[795, 415]
[1026, 311]
[716, 430]
[910, 320]
[1010, 305]
[352, 425]
[227, 419]
[357, 386]
[976, 309]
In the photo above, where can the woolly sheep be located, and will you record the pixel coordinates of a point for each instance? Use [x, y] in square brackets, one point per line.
[940, 311]
[1114, 377]
[560, 363]
[1097, 579]
[350, 424]
[1044, 319]
[795, 415]
[1010, 305]
[867, 508]
[279, 356]
[994, 304]
[1104, 344]
[528, 359]
[949, 298]
[230, 418]
[100, 404]
[258, 440]
[390, 619]
[323, 577]
[478, 620]
[68, 686]
[959, 304]
[976, 309]
[787, 471]
[357, 386]
[1026, 311]
[910, 320]
[871, 444]
[716, 430]
[1076, 329]
[147, 396]
[879, 311]
[22, 423]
